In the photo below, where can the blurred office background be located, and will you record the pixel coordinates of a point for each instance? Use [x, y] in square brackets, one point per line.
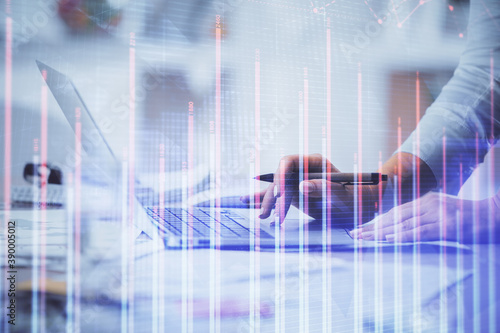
[341, 70]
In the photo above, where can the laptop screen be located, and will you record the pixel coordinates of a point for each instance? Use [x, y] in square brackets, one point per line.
[95, 148]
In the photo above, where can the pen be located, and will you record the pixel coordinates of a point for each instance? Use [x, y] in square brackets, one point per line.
[339, 177]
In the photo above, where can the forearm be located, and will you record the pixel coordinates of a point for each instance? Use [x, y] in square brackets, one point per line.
[460, 127]
[413, 178]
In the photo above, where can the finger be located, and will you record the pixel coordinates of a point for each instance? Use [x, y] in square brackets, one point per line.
[398, 227]
[426, 232]
[293, 164]
[285, 190]
[288, 165]
[395, 216]
[377, 223]
[278, 210]
[388, 224]
[333, 193]
[318, 188]
[283, 203]
[379, 230]
[267, 203]
[313, 188]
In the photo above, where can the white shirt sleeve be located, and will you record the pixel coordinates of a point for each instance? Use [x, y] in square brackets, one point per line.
[463, 123]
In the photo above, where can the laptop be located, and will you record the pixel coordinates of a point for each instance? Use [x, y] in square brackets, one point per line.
[198, 227]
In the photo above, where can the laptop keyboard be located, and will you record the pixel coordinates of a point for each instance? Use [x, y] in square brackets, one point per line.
[200, 223]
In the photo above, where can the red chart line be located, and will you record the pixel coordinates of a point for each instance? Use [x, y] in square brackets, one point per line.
[487, 10]
[371, 9]
[396, 12]
[8, 110]
[422, 2]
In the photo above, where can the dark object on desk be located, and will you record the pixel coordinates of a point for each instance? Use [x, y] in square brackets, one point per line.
[31, 197]
[33, 173]
[344, 178]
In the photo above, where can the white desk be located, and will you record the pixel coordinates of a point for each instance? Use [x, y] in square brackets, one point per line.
[142, 288]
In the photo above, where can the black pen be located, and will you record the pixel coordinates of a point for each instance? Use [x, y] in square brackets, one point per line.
[339, 177]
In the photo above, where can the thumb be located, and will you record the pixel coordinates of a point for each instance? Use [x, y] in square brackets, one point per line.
[313, 188]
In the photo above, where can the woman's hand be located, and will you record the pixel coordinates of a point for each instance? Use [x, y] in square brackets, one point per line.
[434, 216]
[317, 195]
